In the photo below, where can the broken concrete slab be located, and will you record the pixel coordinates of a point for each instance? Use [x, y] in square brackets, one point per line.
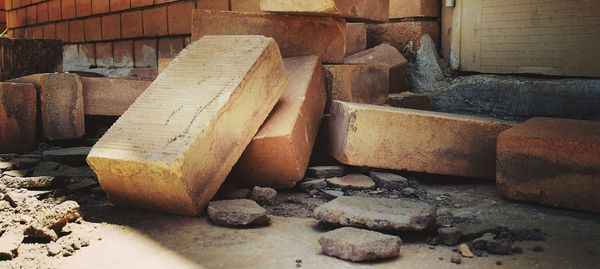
[110, 97]
[352, 181]
[279, 153]
[61, 99]
[240, 212]
[388, 138]
[172, 154]
[71, 156]
[358, 83]
[377, 213]
[27, 182]
[18, 122]
[371, 10]
[389, 180]
[404, 36]
[356, 37]
[410, 100]
[385, 54]
[325, 171]
[359, 245]
[321, 36]
[555, 162]
[9, 243]
[414, 8]
[53, 220]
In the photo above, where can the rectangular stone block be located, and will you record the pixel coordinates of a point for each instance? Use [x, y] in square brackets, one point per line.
[385, 54]
[551, 161]
[22, 57]
[414, 140]
[245, 5]
[295, 35]
[356, 38]
[18, 110]
[403, 35]
[173, 148]
[61, 106]
[279, 153]
[110, 97]
[372, 10]
[358, 83]
[414, 8]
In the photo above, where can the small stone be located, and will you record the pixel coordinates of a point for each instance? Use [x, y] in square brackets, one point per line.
[263, 196]
[352, 181]
[538, 249]
[9, 243]
[53, 249]
[70, 156]
[481, 242]
[237, 213]
[440, 258]
[498, 263]
[25, 219]
[499, 246]
[331, 194]
[389, 181]
[313, 193]
[449, 236]
[465, 251]
[325, 172]
[517, 250]
[309, 185]
[298, 261]
[456, 259]
[358, 245]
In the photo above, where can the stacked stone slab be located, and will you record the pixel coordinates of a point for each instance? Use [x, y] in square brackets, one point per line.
[385, 54]
[402, 35]
[110, 97]
[414, 140]
[173, 148]
[296, 35]
[18, 108]
[555, 162]
[358, 83]
[356, 38]
[374, 10]
[414, 8]
[279, 153]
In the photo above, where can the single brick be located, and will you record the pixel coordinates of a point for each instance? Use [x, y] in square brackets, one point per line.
[414, 140]
[61, 106]
[358, 83]
[555, 162]
[110, 97]
[145, 53]
[111, 27]
[279, 153]
[414, 8]
[321, 36]
[356, 38]
[155, 21]
[180, 18]
[131, 23]
[172, 149]
[18, 108]
[245, 5]
[373, 10]
[385, 54]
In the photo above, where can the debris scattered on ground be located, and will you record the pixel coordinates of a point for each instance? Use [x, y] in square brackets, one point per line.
[389, 181]
[352, 181]
[263, 196]
[360, 245]
[449, 236]
[456, 259]
[240, 212]
[465, 251]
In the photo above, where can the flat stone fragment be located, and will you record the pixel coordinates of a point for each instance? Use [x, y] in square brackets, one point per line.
[377, 213]
[410, 100]
[240, 212]
[358, 245]
[16, 173]
[551, 161]
[18, 125]
[385, 54]
[388, 138]
[110, 97]
[372, 10]
[263, 196]
[27, 182]
[278, 155]
[61, 101]
[356, 37]
[389, 181]
[174, 147]
[414, 8]
[358, 83]
[325, 171]
[71, 156]
[352, 181]
[9, 243]
[321, 36]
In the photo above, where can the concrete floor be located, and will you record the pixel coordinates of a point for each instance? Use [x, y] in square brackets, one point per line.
[136, 239]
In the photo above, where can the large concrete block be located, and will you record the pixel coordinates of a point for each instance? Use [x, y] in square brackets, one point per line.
[402, 34]
[279, 153]
[358, 83]
[414, 8]
[61, 106]
[173, 148]
[373, 10]
[18, 111]
[554, 162]
[356, 38]
[385, 54]
[295, 35]
[110, 97]
[414, 140]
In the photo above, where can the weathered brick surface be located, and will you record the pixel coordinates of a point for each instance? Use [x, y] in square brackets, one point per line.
[414, 8]
[555, 162]
[21, 57]
[110, 97]
[61, 106]
[279, 153]
[172, 149]
[245, 5]
[402, 34]
[18, 111]
[356, 38]
[373, 10]
[358, 83]
[385, 54]
[296, 35]
[414, 140]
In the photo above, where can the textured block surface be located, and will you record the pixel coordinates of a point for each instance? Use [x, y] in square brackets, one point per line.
[356, 38]
[414, 140]
[555, 162]
[385, 54]
[172, 149]
[414, 8]
[110, 97]
[295, 35]
[278, 155]
[358, 83]
[373, 10]
[17, 117]
[61, 106]
[402, 34]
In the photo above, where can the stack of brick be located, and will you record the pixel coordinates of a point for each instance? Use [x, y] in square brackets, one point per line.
[3, 15]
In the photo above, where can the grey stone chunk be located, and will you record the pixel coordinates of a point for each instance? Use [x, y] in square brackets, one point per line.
[449, 236]
[240, 212]
[358, 245]
[9, 243]
[377, 213]
[70, 156]
[352, 181]
[263, 196]
[331, 194]
[499, 246]
[389, 181]
[325, 171]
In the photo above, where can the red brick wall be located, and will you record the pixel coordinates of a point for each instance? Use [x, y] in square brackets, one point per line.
[107, 31]
[2, 16]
